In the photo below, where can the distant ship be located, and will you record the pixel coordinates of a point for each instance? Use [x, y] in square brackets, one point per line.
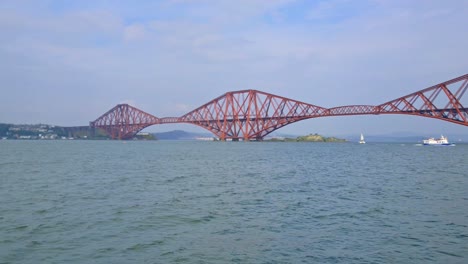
[442, 141]
[361, 141]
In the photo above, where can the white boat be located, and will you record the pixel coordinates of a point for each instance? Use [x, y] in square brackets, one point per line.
[442, 141]
[361, 141]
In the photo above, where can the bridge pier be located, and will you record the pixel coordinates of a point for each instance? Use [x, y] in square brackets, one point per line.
[92, 130]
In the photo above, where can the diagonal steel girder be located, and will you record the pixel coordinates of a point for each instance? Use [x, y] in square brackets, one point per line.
[252, 114]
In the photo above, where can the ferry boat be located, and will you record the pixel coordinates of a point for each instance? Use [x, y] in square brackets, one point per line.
[442, 141]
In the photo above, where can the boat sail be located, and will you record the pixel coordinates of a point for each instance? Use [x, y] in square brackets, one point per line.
[361, 141]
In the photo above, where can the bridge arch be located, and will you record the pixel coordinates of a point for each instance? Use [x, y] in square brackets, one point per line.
[123, 121]
[252, 114]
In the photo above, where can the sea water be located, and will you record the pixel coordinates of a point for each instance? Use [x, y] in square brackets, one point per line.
[232, 202]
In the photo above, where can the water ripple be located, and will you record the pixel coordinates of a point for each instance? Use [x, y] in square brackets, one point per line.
[222, 202]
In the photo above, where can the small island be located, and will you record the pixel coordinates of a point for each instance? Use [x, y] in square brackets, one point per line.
[309, 138]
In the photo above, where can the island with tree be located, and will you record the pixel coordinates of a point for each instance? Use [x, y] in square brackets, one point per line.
[309, 138]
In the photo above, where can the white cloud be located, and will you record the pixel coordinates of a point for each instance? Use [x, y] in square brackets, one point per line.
[326, 9]
[189, 51]
[129, 102]
[180, 107]
[134, 32]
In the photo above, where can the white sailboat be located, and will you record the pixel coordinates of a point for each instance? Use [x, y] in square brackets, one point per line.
[361, 141]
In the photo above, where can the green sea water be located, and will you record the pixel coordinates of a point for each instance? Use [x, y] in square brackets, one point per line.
[232, 202]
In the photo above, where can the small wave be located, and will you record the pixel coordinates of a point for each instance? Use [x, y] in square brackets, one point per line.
[226, 232]
[137, 247]
[7, 241]
[350, 214]
[448, 253]
[178, 178]
[103, 250]
[41, 211]
[413, 239]
[34, 243]
[142, 246]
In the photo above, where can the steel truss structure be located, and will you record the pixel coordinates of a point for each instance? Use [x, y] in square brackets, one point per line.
[251, 114]
[124, 121]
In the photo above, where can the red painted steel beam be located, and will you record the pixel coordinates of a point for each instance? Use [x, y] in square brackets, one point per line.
[249, 114]
[438, 101]
[252, 114]
[124, 121]
[354, 110]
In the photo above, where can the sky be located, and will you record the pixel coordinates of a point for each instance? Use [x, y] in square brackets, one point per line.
[66, 62]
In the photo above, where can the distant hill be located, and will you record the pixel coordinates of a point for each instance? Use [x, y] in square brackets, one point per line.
[180, 135]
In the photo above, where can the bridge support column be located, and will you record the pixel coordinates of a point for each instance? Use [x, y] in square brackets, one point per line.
[92, 130]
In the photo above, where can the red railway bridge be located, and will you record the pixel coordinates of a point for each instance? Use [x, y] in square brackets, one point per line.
[252, 114]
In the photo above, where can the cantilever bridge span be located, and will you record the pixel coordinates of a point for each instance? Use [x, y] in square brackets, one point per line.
[252, 114]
